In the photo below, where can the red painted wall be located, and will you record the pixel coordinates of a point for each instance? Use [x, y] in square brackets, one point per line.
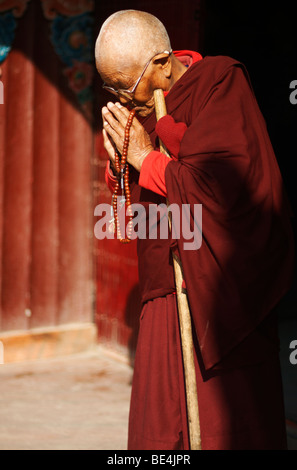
[46, 146]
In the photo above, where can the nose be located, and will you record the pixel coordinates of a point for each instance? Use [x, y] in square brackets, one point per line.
[124, 100]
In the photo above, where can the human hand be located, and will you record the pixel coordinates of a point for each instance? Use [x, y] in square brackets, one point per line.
[115, 118]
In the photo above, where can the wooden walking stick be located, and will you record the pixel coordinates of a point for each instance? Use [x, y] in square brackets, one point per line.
[184, 320]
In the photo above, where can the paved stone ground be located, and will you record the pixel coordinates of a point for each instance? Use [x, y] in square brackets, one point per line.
[78, 402]
[81, 402]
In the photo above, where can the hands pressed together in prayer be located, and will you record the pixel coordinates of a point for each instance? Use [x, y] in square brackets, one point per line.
[115, 118]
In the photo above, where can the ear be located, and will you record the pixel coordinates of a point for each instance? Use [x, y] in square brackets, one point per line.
[163, 62]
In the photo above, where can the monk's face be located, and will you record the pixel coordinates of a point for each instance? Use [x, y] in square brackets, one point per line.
[142, 98]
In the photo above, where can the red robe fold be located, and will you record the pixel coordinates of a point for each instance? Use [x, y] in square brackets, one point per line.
[240, 404]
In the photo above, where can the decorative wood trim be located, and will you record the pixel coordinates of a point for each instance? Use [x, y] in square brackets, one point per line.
[52, 8]
[17, 7]
[9, 11]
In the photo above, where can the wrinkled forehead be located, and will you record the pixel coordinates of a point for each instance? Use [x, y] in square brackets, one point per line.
[118, 79]
[119, 68]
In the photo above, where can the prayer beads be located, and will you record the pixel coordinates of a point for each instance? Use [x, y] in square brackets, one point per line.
[123, 183]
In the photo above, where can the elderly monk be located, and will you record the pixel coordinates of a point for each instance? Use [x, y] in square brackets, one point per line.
[221, 158]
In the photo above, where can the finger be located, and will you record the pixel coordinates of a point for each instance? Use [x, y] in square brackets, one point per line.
[126, 113]
[112, 126]
[112, 134]
[122, 108]
[107, 141]
[120, 112]
[108, 145]
[109, 117]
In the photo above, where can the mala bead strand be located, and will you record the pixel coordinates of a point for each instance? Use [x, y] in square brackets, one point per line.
[123, 171]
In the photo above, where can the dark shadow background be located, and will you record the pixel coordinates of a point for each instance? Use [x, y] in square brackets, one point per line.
[263, 35]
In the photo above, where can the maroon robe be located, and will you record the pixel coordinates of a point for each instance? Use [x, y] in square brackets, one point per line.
[234, 281]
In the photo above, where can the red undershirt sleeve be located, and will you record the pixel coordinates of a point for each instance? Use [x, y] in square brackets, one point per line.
[110, 178]
[151, 176]
[152, 173]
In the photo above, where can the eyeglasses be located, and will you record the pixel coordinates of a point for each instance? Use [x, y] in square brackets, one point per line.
[129, 93]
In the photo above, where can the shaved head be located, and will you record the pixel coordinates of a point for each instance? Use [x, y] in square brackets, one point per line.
[134, 58]
[128, 39]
